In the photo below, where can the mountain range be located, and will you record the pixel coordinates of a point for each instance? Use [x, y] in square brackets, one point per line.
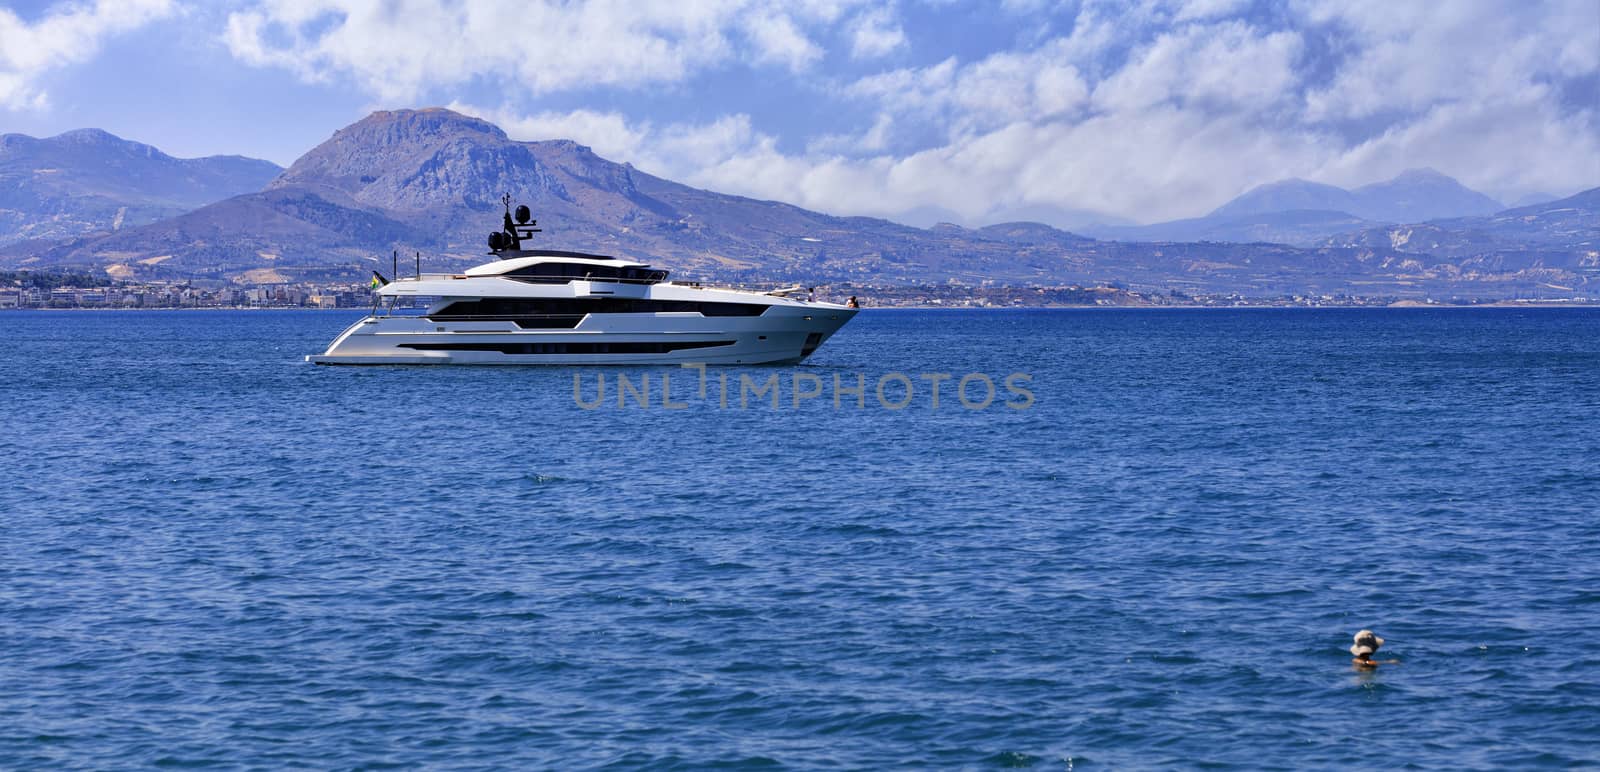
[89, 180]
[431, 181]
[1413, 196]
[1523, 237]
[1301, 212]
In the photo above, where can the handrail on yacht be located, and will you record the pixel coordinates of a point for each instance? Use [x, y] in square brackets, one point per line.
[783, 291]
[495, 317]
[428, 277]
[719, 285]
[550, 278]
[786, 292]
[563, 279]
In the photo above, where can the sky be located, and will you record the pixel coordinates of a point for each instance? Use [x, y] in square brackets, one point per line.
[920, 111]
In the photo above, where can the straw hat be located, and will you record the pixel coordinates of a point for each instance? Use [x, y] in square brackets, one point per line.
[1367, 642]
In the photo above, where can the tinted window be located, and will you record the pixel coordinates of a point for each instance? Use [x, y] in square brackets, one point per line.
[511, 308]
[561, 273]
[640, 347]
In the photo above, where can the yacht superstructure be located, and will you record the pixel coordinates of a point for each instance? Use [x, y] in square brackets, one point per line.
[537, 306]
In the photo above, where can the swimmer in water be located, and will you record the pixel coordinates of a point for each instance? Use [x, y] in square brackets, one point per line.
[1367, 643]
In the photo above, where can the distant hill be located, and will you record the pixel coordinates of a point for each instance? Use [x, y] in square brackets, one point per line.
[88, 180]
[1563, 233]
[1418, 195]
[1533, 199]
[1301, 227]
[430, 181]
[1305, 213]
[1288, 196]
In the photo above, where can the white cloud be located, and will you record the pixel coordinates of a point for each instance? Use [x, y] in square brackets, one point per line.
[674, 150]
[607, 133]
[1026, 6]
[396, 53]
[875, 139]
[400, 51]
[1226, 66]
[1100, 164]
[1514, 145]
[1176, 108]
[66, 34]
[1408, 57]
[779, 40]
[1107, 163]
[993, 92]
[875, 33]
[1474, 86]
[1153, 109]
[1206, 9]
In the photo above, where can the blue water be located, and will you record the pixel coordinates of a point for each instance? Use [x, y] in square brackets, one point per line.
[213, 554]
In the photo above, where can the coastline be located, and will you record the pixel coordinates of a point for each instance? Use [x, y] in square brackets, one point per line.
[1263, 305]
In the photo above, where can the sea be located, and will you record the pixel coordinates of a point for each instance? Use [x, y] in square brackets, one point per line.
[1119, 539]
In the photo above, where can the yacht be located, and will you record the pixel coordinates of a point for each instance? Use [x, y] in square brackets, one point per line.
[539, 306]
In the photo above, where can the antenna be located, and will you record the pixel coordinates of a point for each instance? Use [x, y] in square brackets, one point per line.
[511, 234]
[394, 263]
[509, 228]
[419, 265]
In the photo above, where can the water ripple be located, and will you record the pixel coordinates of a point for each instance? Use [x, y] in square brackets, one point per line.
[216, 556]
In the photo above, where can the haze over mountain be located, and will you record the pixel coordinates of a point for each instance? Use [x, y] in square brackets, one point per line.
[1296, 227]
[1522, 236]
[1302, 212]
[1414, 195]
[1533, 199]
[431, 181]
[89, 180]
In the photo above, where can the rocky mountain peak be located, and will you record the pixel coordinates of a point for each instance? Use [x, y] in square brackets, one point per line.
[97, 141]
[89, 137]
[433, 160]
[581, 163]
[375, 158]
[13, 142]
[427, 124]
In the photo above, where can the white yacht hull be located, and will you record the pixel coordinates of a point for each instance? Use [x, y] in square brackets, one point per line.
[545, 307]
[783, 334]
